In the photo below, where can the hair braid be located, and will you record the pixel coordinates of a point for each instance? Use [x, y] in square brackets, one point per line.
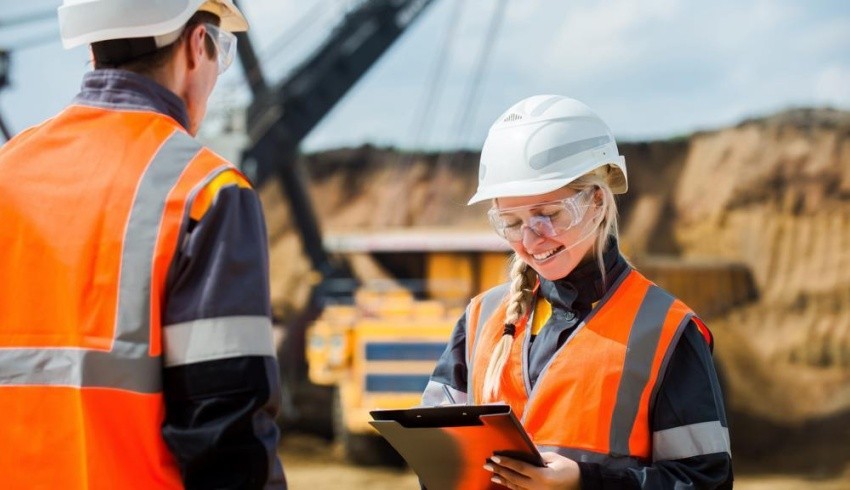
[522, 278]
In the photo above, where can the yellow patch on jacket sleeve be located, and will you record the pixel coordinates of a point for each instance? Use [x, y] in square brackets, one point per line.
[206, 196]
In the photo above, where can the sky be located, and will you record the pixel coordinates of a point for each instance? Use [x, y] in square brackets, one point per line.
[652, 69]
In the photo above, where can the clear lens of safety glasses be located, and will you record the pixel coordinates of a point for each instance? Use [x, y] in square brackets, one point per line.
[225, 46]
[549, 219]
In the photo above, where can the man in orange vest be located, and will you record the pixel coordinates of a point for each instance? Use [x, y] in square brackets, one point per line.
[135, 331]
[610, 375]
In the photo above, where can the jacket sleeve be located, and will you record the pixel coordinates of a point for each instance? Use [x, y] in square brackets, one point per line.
[447, 385]
[220, 379]
[690, 432]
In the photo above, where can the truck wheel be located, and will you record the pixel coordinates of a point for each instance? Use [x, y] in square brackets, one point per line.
[362, 449]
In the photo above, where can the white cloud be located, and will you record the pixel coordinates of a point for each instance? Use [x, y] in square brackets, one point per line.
[651, 68]
[832, 85]
[830, 35]
[594, 36]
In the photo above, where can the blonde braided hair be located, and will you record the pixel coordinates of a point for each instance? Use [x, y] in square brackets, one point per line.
[523, 279]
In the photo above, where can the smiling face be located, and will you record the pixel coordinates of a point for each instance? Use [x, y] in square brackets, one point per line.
[552, 257]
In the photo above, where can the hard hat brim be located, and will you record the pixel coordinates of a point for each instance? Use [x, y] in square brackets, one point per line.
[616, 180]
[518, 189]
[94, 21]
[232, 19]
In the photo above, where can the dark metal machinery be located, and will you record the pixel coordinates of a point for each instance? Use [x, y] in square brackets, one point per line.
[13, 22]
[4, 68]
[4, 80]
[280, 117]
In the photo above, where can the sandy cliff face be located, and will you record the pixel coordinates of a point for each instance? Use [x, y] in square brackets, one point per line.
[369, 188]
[773, 194]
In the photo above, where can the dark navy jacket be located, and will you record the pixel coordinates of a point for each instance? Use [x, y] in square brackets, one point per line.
[220, 414]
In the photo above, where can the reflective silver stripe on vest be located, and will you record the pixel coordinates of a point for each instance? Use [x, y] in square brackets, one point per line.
[585, 456]
[127, 366]
[487, 308]
[212, 339]
[141, 235]
[489, 304]
[690, 440]
[642, 344]
[81, 367]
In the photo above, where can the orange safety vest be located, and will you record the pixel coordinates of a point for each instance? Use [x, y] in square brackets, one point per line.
[93, 202]
[592, 402]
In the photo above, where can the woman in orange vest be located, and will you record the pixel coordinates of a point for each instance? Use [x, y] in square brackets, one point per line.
[610, 375]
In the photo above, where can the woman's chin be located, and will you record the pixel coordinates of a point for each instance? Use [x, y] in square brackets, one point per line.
[555, 269]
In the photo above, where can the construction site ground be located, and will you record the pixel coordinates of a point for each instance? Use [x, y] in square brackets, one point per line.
[311, 462]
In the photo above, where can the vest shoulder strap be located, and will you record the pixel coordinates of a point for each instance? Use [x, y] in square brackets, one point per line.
[480, 309]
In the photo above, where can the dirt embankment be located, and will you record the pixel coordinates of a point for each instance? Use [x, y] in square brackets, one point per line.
[775, 194]
[772, 194]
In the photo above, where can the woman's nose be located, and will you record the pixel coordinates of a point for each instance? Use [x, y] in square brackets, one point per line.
[529, 236]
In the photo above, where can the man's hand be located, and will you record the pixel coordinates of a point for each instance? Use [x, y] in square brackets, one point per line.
[560, 473]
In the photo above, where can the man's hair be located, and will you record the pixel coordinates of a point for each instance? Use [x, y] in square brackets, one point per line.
[150, 60]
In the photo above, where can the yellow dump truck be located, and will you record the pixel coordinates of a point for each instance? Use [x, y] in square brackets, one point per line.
[379, 350]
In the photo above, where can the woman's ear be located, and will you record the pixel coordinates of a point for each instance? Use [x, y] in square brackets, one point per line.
[598, 196]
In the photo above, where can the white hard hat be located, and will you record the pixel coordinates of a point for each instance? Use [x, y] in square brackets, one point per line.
[91, 21]
[543, 143]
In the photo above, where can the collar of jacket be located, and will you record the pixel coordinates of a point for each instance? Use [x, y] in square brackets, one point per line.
[584, 286]
[122, 89]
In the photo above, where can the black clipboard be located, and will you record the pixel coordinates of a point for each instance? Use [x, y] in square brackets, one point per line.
[447, 446]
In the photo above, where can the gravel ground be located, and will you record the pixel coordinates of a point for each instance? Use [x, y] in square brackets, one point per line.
[314, 464]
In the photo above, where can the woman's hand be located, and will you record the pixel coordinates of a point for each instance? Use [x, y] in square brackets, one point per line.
[559, 473]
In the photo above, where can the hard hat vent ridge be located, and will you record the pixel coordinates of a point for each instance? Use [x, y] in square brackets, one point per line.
[541, 144]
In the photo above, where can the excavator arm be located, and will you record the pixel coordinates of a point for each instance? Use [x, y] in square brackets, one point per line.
[278, 119]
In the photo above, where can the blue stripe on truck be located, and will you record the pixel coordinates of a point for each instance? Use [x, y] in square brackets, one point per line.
[404, 351]
[408, 383]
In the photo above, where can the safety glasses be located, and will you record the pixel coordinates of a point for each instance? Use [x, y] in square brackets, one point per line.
[225, 46]
[547, 219]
